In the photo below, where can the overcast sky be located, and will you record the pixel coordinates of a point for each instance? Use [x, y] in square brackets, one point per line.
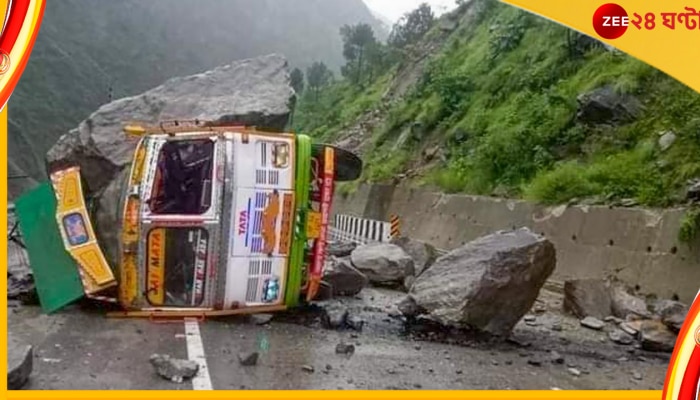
[394, 9]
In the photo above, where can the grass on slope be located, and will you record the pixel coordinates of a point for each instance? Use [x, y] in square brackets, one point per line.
[501, 100]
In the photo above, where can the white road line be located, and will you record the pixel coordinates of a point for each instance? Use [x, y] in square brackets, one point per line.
[195, 352]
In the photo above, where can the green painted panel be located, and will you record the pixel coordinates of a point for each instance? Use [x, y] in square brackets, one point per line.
[55, 272]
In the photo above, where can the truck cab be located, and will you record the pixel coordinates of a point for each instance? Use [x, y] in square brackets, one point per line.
[216, 220]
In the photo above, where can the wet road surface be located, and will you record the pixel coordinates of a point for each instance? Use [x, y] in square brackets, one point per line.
[75, 349]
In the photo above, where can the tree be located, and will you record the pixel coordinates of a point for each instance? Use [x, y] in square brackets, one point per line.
[318, 75]
[412, 26]
[356, 40]
[297, 80]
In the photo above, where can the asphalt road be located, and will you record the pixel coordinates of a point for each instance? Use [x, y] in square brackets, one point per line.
[82, 349]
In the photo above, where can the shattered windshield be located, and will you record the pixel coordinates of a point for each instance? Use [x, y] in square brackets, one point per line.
[183, 180]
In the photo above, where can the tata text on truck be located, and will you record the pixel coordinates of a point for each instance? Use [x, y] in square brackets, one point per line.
[216, 220]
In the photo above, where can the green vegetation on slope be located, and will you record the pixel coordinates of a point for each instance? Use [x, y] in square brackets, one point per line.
[500, 99]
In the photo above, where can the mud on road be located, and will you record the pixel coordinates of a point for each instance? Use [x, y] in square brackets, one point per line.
[81, 349]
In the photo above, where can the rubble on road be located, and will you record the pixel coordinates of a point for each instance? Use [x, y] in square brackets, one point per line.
[20, 280]
[20, 357]
[174, 369]
[587, 298]
[344, 279]
[383, 263]
[488, 284]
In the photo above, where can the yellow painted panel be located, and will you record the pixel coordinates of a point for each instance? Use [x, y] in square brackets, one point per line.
[93, 264]
[127, 287]
[156, 266]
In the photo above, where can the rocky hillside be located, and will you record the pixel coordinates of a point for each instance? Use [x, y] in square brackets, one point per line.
[497, 101]
[89, 52]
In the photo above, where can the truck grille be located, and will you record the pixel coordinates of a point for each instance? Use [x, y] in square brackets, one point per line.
[258, 270]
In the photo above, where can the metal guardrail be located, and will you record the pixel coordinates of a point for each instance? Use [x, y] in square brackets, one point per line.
[363, 230]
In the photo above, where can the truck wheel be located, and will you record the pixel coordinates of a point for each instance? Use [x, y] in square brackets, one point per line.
[348, 166]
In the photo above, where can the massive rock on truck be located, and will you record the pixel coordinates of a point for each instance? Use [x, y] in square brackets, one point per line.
[254, 92]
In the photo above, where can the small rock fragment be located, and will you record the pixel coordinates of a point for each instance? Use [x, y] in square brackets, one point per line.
[621, 337]
[631, 328]
[308, 368]
[556, 358]
[530, 318]
[173, 369]
[557, 327]
[334, 317]
[261, 319]
[344, 348]
[592, 323]
[574, 372]
[637, 376]
[20, 358]
[534, 362]
[248, 359]
[613, 320]
[355, 322]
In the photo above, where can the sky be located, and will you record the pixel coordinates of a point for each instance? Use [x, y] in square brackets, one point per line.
[394, 9]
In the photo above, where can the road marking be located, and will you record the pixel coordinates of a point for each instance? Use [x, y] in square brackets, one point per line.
[195, 352]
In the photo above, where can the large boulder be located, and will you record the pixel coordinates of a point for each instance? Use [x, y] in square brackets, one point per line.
[423, 254]
[345, 279]
[587, 298]
[340, 249]
[624, 304]
[383, 263]
[253, 92]
[488, 284]
[655, 336]
[19, 362]
[605, 106]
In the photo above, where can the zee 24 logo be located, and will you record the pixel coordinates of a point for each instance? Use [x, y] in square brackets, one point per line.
[611, 21]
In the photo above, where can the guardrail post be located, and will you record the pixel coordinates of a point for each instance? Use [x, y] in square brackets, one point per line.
[395, 226]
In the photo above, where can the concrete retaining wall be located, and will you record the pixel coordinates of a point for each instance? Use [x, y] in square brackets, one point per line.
[638, 246]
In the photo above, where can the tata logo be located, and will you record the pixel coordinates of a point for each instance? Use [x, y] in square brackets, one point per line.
[242, 222]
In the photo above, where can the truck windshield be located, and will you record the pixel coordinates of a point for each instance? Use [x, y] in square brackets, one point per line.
[177, 262]
[183, 180]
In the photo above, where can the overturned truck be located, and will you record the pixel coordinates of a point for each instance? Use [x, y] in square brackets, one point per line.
[215, 219]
